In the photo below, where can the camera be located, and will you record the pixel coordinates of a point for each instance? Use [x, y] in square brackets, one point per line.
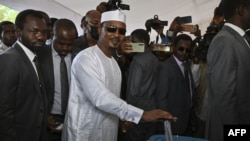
[214, 28]
[205, 41]
[203, 45]
[116, 4]
[189, 28]
[155, 23]
[161, 47]
[184, 20]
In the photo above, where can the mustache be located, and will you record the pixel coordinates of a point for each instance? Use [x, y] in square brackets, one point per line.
[116, 40]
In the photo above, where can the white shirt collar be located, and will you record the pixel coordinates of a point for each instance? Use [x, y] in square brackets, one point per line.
[178, 61]
[28, 52]
[236, 28]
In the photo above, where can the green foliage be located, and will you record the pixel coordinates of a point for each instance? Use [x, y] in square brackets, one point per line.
[7, 14]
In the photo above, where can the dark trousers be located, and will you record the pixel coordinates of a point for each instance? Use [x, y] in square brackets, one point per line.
[55, 136]
[200, 130]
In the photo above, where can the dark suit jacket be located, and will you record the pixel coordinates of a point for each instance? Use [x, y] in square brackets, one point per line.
[22, 104]
[228, 82]
[172, 95]
[142, 81]
[81, 42]
[47, 69]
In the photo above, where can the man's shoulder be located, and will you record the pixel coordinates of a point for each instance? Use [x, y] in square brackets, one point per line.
[147, 57]
[169, 63]
[44, 51]
[81, 42]
[80, 38]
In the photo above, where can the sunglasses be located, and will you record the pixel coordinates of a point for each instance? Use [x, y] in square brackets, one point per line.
[181, 49]
[113, 29]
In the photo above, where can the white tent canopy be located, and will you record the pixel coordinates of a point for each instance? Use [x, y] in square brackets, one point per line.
[140, 10]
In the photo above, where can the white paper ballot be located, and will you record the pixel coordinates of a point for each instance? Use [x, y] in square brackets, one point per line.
[168, 131]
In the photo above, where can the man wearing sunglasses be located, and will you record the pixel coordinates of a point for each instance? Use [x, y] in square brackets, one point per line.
[94, 106]
[175, 87]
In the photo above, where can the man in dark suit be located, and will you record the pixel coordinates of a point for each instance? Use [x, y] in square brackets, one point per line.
[174, 93]
[23, 102]
[141, 85]
[229, 71]
[65, 33]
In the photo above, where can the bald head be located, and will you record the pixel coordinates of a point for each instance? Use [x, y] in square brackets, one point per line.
[93, 17]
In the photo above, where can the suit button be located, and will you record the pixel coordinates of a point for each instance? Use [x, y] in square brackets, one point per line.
[41, 110]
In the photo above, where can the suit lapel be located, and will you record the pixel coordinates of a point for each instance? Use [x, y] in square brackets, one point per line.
[47, 67]
[175, 64]
[29, 65]
[177, 67]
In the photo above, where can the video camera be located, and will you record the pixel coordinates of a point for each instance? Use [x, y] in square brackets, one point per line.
[204, 43]
[116, 4]
[155, 23]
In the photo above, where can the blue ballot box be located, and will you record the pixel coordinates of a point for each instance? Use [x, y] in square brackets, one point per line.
[175, 138]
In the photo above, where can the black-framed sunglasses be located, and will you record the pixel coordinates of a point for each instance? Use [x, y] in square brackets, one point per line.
[113, 29]
[181, 49]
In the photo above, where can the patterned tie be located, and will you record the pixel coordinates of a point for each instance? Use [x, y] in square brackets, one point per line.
[64, 85]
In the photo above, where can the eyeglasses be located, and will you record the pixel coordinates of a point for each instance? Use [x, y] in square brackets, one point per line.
[181, 49]
[113, 29]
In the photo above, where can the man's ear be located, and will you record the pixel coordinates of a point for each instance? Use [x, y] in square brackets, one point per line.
[18, 32]
[85, 23]
[240, 10]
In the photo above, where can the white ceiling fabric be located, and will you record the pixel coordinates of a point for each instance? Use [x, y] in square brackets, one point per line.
[140, 10]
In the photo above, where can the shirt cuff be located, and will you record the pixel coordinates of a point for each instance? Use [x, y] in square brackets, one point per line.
[134, 114]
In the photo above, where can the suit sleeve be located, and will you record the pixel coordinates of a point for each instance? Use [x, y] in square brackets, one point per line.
[134, 83]
[222, 77]
[161, 90]
[9, 83]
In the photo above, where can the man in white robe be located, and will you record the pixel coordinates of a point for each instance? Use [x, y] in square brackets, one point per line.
[95, 106]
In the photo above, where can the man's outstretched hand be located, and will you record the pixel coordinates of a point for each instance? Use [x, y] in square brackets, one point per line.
[157, 114]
